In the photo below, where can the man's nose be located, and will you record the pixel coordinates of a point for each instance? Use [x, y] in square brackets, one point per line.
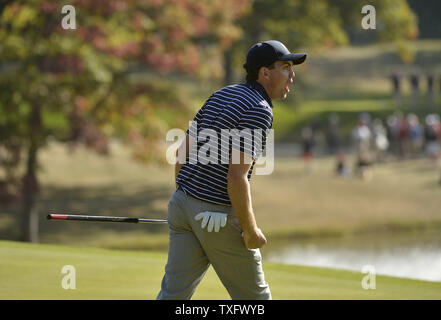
[292, 75]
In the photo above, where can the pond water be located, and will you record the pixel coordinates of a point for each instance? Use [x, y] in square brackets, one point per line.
[414, 256]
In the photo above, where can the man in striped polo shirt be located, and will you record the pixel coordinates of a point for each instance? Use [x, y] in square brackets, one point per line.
[215, 163]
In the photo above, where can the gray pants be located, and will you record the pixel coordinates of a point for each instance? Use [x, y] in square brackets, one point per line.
[192, 250]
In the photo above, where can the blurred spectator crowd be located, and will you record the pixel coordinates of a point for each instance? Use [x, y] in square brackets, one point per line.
[399, 136]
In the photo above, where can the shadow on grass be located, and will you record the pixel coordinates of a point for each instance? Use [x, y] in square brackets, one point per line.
[330, 94]
[126, 200]
[379, 63]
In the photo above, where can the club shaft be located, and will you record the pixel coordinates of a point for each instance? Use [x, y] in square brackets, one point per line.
[102, 218]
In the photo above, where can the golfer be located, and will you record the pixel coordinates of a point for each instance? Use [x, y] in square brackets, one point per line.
[210, 214]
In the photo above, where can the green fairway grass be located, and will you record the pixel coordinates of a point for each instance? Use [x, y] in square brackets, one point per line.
[30, 271]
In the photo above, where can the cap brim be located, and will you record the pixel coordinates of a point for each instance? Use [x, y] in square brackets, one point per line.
[296, 58]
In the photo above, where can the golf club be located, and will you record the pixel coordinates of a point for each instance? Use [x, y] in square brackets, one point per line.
[102, 218]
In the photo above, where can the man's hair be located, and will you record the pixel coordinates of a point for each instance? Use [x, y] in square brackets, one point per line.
[252, 76]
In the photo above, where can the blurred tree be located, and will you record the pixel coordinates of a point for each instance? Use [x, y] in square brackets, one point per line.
[74, 85]
[396, 22]
[429, 22]
[295, 23]
[323, 24]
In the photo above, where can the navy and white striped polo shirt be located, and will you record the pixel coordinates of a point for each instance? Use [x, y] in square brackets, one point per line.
[244, 107]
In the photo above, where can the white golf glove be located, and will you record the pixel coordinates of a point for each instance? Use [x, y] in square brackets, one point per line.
[214, 219]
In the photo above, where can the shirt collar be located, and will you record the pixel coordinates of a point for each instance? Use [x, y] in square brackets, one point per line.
[257, 86]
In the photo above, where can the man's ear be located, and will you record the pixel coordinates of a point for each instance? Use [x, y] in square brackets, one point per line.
[264, 72]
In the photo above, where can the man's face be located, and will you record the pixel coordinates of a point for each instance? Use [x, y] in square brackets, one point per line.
[279, 78]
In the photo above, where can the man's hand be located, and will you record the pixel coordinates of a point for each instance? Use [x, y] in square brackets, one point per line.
[254, 239]
[214, 219]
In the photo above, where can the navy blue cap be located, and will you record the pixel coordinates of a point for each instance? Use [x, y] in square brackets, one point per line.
[267, 52]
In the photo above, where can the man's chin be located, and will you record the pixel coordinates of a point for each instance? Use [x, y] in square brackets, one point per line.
[281, 97]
